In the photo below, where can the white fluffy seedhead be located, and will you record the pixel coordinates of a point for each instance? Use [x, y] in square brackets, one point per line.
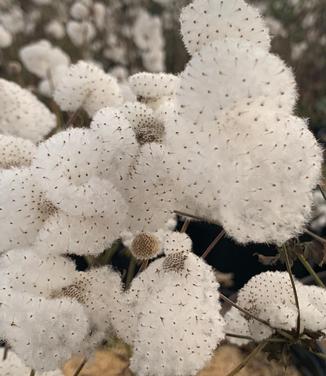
[119, 147]
[268, 164]
[204, 21]
[25, 271]
[86, 86]
[177, 330]
[238, 325]
[23, 208]
[99, 292]
[270, 296]
[150, 192]
[228, 71]
[43, 333]
[150, 87]
[67, 166]
[147, 127]
[41, 58]
[15, 152]
[67, 234]
[176, 242]
[13, 366]
[22, 114]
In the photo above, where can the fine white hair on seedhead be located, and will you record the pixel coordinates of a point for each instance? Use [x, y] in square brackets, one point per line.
[177, 242]
[150, 192]
[84, 85]
[119, 147]
[22, 114]
[13, 366]
[270, 297]
[80, 235]
[23, 208]
[66, 167]
[177, 331]
[43, 333]
[98, 291]
[147, 127]
[15, 152]
[204, 21]
[269, 164]
[237, 324]
[41, 58]
[26, 271]
[150, 87]
[228, 71]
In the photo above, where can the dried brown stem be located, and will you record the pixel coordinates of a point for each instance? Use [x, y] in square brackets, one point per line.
[289, 269]
[209, 249]
[80, 367]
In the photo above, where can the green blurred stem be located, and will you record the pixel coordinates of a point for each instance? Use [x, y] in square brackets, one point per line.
[295, 293]
[256, 351]
[311, 271]
[131, 271]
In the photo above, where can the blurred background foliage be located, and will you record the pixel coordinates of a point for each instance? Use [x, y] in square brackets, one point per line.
[298, 28]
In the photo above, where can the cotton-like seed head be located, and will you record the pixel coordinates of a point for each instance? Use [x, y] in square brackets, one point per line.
[22, 114]
[23, 208]
[86, 86]
[15, 152]
[41, 58]
[228, 71]
[145, 246]
[43, 333]
[67, 167]
[176, 242]
[186, 305]
[49, 272]
[153, 86]
[13, 366]
[146, 126]
[80, 235]
[204, 21]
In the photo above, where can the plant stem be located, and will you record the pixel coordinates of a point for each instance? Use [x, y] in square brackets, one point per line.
[315, 236]
[185, 225]
[213, 244]
[322, 191]
[32, 373]
[289, 269]
[235, 305]
[311, 271]
[256, 351]
[5, 352]
[239, 336]
[80, 367]
[131, 271]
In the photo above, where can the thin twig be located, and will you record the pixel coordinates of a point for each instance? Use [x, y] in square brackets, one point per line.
[296, 298]
[213, 244]
[322, 191]
[311, 271]
[32, 373]
[239, 336]
[256, 351]
[72, 118]
[249, 314]
[185, 225]
[131, 271]
[80, 367]
[5, 352]
[315, 236]
[182, 214]
[143, 266]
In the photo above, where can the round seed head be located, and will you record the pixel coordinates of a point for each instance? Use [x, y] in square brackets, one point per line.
[145, 246]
